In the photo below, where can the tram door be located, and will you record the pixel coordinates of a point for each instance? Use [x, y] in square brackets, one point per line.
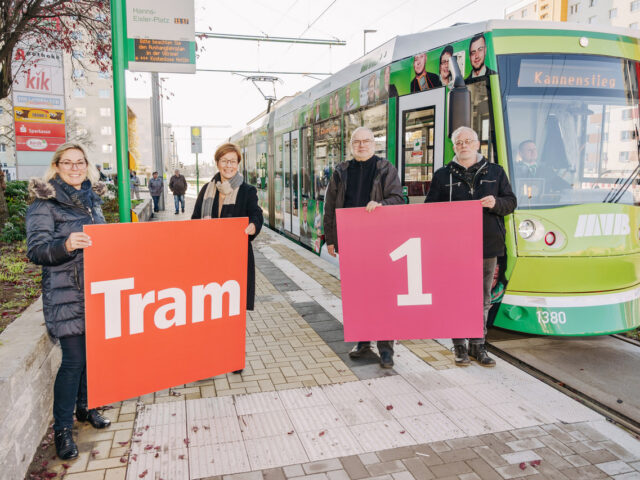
[295, 182]
[420, 141]
[286, 198]
[291, 167]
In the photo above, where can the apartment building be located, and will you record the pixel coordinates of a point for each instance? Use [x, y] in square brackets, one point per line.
[545, 10]
[618, 13]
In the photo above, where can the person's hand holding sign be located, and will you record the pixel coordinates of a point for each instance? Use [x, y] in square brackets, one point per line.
[488, 202]
[77, 240]
[250, 230]
[372, 205]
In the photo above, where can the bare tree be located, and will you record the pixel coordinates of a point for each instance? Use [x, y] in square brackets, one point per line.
[52, 25]
[79, 134]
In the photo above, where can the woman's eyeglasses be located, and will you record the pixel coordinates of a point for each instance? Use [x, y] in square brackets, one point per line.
[230, 163]
[72, 165]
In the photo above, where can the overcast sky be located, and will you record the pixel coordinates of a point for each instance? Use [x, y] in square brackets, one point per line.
[227, 100]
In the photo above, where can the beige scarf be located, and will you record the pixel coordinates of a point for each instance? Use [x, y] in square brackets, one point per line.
[228, 188]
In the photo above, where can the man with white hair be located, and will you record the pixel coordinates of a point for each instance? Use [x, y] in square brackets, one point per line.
[365, 181]
[470, 176]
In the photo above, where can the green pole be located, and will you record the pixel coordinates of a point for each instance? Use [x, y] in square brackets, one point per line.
[197, 176]
[118, 39]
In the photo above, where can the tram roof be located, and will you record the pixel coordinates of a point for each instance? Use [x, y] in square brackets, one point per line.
[404, 46]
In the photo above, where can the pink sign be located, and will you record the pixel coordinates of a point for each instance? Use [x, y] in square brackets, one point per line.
[411, 271]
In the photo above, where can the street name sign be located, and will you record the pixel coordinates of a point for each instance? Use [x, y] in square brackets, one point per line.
[161, 36]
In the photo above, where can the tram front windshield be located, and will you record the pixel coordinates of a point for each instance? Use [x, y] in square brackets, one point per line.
[571, 123]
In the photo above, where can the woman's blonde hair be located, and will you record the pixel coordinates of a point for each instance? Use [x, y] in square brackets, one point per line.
[92, 172]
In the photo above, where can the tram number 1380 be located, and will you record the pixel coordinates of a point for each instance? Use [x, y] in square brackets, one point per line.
[551, 317]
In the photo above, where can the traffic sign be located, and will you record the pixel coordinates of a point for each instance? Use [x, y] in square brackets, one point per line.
[196, 140]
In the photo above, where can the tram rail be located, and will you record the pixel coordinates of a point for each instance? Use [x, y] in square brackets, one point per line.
[611, 414]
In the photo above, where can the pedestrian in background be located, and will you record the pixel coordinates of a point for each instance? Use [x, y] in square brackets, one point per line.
[156, 186]
[178, 186]
[365, 181]
[227, 195]
[66, 198]
[134, 185]
[103, 177]
[470, 176]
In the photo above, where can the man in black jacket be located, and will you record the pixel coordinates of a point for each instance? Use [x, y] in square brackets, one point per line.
[366, 181]
[469, 176]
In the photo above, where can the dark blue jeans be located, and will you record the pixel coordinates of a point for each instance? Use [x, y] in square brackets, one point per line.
[156, 201]
[70, 388]
[178, 199]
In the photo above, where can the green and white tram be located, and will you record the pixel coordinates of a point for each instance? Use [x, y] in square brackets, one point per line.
[555, 104]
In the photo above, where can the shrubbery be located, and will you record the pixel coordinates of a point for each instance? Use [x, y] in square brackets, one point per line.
[17, 196]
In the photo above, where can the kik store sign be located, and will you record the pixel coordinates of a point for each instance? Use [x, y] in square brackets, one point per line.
[154, 323]
[38, 105]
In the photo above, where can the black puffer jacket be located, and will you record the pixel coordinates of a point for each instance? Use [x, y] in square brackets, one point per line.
[453, 183]
[50, 219]
[386, 190]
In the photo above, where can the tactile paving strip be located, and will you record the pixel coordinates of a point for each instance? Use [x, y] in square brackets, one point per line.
[382, 435]
[330, 443]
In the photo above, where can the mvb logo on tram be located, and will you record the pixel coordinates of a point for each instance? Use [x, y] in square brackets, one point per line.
[603, 224]
[165, 305]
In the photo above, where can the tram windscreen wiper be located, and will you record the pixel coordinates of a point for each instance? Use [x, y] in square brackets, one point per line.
[614, 195]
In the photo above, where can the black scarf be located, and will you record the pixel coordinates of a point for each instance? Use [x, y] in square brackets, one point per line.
[82, 198]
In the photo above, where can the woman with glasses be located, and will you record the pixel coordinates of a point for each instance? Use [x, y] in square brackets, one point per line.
[228, 195]
[66, 198]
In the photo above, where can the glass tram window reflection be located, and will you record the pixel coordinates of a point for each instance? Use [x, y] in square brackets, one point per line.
[575, 110]
[480, 117]
[418, 148]
[374, 118]
[327, 154]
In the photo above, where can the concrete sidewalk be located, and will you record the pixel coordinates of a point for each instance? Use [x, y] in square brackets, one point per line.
[303, 409]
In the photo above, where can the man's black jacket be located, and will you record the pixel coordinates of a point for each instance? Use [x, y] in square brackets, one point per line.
[453, 183]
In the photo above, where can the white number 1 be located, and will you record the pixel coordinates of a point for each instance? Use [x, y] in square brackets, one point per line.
[412, 250]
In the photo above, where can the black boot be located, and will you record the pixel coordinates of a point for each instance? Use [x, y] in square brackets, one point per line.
[360, 350]
[478, 351]
[460, 356]
[386, 359]
[93, 417]
[65, 446]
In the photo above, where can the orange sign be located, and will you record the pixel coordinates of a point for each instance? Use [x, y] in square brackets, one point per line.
[41, 115]
[165, 305]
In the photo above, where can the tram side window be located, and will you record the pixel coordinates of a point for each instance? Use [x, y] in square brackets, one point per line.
[374, 118]
[261, 163]
[327, 154]
[418, 144]
[307, 164]
[250, 164]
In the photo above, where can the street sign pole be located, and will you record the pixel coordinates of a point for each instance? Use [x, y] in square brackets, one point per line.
[197, 176]
[118, 38]
[196, 147]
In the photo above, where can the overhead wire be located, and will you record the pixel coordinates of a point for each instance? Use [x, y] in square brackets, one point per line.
[448, 15]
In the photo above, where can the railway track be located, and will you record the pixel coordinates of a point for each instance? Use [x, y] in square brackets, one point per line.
[564, 383]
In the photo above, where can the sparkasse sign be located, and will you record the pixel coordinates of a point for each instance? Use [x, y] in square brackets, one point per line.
[155, 321]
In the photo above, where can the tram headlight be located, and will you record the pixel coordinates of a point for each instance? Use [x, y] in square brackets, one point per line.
[526, 229]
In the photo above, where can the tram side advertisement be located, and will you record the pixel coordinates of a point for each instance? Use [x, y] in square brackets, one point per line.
[431, 69]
